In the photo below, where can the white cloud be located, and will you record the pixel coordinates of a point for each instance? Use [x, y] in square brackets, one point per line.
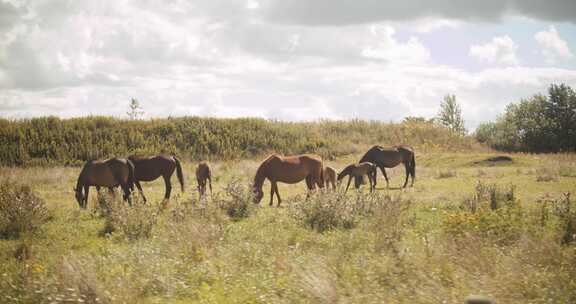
[553, 46]
[227, 59]
[386, 47]
[501, 50]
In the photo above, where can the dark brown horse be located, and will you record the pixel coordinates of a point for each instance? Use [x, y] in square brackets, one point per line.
[148, 169]
[203, 174]
[330, 177]
[391, 157]
[289, 170]
[105, 173]
[358, 171]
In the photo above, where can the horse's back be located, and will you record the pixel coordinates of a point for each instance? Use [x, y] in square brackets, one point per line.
[106, 172]
[293, 169]
[202, 170]
[150, 168]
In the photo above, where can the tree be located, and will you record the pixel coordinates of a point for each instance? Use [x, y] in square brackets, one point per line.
[537, 124]
[135, 111]
[450, 115]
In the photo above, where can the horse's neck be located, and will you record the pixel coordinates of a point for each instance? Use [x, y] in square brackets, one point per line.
[260, 177]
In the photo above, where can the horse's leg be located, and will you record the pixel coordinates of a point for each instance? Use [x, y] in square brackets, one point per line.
[140, 190]
[272, 193]
[407, 168]
[168, 186]
[309, 185]
[85, 199]
[385, 176]
[348, 185]
[277, 194]
[370, 180]
[126, 196]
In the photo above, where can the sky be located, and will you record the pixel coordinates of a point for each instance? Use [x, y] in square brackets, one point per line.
[295, 60]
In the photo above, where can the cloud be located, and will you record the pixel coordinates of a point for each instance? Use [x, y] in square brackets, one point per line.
[501, 50]
[233, 58]
[332, 12]
[387, 47]
[552, 45]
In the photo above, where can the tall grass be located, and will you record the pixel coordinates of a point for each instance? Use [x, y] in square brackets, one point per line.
[51, 140]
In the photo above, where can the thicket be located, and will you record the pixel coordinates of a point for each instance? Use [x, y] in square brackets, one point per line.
[51, 140]
[537, 124]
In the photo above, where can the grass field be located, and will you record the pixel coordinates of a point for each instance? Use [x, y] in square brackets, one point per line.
[418, 245]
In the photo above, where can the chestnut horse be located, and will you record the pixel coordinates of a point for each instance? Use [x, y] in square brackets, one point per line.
[148, 169]
[357, 171]
[330, 177]
[391, 157]
[105, 173]
[289, 170]
[202, 174]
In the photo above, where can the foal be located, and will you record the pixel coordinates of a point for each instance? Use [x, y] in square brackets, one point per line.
[330, 177]
[358, 171]
[202, 174]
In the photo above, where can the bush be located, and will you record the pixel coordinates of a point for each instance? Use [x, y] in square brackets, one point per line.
[335, 210]
[132, 222]
[566, 213]
[491, 212]
[21, 210]
[238, 203]
[446, 174]
[326, 211]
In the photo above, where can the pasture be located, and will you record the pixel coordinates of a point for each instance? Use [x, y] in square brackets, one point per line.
[423, 244]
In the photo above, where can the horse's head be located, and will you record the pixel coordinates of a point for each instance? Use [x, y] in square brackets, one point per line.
[342, 174]
[79, 196]
[258, 194]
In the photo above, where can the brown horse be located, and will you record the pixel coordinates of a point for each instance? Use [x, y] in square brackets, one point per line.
[202, 174]
[391, 157]
[330, 177]
[148, 169]
[357, 171]
[289, 170]
[105, 173]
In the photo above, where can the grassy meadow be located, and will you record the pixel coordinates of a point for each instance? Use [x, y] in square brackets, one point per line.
[499, 229]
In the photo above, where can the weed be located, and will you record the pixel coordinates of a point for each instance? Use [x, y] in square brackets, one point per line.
[21, 210]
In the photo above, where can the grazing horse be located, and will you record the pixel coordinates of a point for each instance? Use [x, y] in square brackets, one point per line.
[148, 169]
[105, 173]
[391, 157]
[330, 177]
[289, 170]
[358, 171]
[202, 174]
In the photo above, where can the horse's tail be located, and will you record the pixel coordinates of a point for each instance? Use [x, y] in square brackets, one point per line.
[131, 177]
[179, 173]
[413, 167]
[322, 182]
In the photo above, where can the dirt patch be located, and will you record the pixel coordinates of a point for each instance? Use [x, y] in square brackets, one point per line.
[496, 160]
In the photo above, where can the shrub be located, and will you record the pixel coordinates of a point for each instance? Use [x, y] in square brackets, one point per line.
[545, 175]
[566, 213]
[238, 202]
[325, 212]
[446, 174]
[491, 212]
[21, 210]
[132, 222]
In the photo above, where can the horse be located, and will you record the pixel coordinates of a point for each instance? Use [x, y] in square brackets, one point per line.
[357, 171]
[330, 177]
[390, 157]
[290, 170]
[202, 174]
[148, 169]
[105, 173]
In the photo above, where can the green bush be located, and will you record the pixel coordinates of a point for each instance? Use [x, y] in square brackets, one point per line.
[238, 201]
[21, 210]
[131, 222]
